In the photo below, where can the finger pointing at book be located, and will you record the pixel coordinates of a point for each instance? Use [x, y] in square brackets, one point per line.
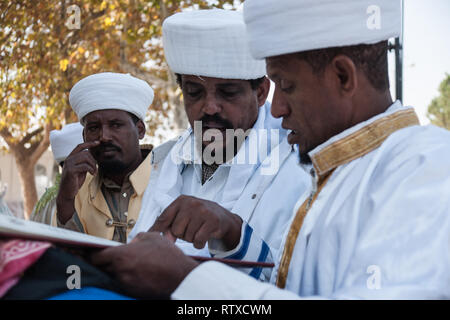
[196, 220]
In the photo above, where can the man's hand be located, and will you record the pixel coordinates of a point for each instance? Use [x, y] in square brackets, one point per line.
[197, 221]
[76, 166]
[151, 266]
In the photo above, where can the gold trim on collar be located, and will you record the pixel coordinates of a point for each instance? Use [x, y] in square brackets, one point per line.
[336, 154]
[294, 231]
[363, 141]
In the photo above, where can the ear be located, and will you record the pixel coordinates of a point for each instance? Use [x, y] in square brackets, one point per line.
[84, 134]
[263, 91]
[140, 125]
[345, 75]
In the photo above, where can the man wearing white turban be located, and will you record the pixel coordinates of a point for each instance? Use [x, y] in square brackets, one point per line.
[202, 189]
[104, 177]
[376, 223]
[62, 143]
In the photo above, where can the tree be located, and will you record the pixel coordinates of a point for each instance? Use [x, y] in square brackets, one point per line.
[46, 47]
[439, 109]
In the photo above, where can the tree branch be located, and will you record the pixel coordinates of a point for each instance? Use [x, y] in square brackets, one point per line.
[154, 81]
[9, 139]
[30, 135]
[40, 147]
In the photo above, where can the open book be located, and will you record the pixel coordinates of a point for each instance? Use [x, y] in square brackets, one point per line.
[12, 227]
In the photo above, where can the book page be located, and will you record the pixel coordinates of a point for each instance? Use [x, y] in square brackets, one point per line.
[13, 227]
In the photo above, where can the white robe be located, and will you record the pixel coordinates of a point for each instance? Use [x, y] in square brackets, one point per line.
[379, 229]
[252, 190]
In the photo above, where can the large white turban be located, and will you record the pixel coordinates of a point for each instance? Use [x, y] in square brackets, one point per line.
[277, 27]
[111, 91]
[65, 140]
[210, 43]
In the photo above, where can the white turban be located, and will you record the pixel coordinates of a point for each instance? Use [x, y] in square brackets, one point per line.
[277, 27]
[65, 140]
[210, 43]
[111, 91]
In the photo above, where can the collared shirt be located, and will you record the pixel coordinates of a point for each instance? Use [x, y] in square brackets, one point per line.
[375, 224]
[104, 209]
[118, 197]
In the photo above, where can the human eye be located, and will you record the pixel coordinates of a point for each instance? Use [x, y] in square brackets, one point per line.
[286, 86]
[92, 128]
[229, 91]
[116, 125]
[193, 91]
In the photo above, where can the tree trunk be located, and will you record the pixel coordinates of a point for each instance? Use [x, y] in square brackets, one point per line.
[26, 159]
[28, 183]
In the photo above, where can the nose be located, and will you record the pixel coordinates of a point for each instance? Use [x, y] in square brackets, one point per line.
[212, 105]
[105, 134]
[279, 106]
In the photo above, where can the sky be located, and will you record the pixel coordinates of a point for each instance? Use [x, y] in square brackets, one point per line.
[426, 55]
[426, 51]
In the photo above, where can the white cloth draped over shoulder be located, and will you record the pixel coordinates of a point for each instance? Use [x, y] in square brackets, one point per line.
[261, 192]
[379, 229]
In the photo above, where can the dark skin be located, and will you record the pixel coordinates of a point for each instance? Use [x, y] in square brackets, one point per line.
[111, 143]
[131, 264]
[316, 107]
[227, 104]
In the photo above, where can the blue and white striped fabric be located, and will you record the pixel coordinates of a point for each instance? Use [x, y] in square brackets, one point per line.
[250, 248]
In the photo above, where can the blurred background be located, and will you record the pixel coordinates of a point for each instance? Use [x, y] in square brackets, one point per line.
[47, 46]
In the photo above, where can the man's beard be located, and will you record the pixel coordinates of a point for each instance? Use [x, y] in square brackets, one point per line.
[109, 167]
[304, 158]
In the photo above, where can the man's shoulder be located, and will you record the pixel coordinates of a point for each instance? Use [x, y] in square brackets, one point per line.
[416, 146]
[419, 139]
[160, 152]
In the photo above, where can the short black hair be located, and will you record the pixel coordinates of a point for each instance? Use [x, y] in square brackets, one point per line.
[254, 83]
[371, 58]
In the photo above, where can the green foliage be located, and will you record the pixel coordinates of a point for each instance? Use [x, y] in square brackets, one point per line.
[439, 109]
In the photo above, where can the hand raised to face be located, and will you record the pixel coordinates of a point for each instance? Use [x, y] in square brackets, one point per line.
[151, 266]
[76, 166]
[196, 220]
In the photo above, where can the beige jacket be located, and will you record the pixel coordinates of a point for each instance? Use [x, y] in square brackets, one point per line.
[93, 210]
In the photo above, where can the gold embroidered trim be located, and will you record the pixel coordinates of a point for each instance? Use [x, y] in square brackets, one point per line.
[294, 231]
[362, 141]
[336, 154]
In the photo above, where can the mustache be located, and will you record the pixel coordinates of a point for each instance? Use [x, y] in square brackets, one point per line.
[104, 146]
[217, 119]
